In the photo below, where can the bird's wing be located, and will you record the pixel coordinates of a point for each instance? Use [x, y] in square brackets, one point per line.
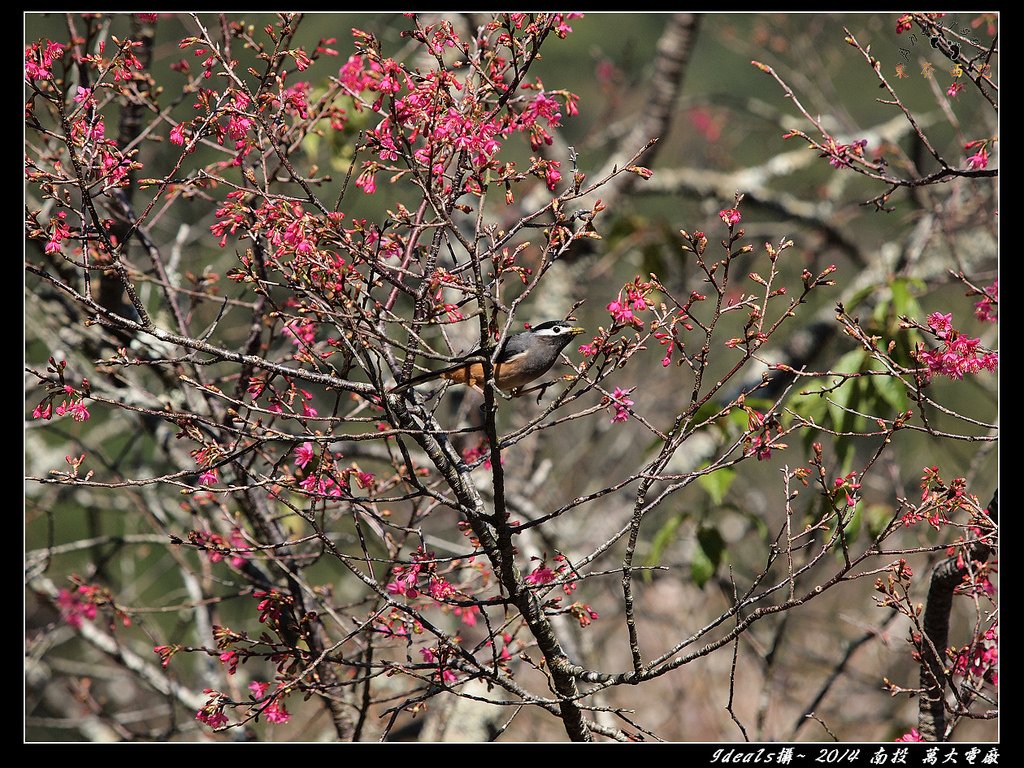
[515, 346]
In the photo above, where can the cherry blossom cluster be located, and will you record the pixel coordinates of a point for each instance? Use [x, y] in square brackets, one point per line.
[905, 22]
[76, 606]
[545, 574]
[481, 451]
[72, 400]
[217, 547]
[959, 354]
[634, 298]
[82, 603]
[986, 309]
[271, 604]
[979, 660]
[326, 478]
[758, 440]
[232, 117]
[166, 653]
[847, 486]
[212, 712]
[40, 58]
[274, 710]
[624, 311]
[422, 583]
[583, 613]
[979, 160]
[97, 159]
[261, 703]
[73, 406]
[283, 400]
[841, 155]
[620, 403]
[940, 501]
[912, 735]
[440, 120]
[422, 577]
[209, 454]
[731, 216]
[441, 657]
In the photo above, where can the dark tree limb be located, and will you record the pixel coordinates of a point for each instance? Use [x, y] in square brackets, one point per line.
[947, 575]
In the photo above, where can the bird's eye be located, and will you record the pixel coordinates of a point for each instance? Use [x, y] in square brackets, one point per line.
[557, 329]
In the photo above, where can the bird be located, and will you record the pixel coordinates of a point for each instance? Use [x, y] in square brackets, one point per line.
[525, 357]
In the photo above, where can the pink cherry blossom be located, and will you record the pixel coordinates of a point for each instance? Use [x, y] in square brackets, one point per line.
[985, 310]
[620, 403]
[730, 216]
[959, 355]
[978, 160]
[304, 454]
[912, 735]
[541, 575]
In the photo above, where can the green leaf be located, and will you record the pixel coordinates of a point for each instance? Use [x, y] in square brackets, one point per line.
[853, 525]
[707, 555]
[738, 418]
[664, 536]
[851, 528]
[845, 453]
[701, 568]
[762, 404]
[848, 396]
[851, 362]
[876, 517]
[810, 406]
[890, 391]
[706, 411]
[717, 483]
[903, 300]
[901, 297]
[899, 301]
[757, 521]
[855, 301]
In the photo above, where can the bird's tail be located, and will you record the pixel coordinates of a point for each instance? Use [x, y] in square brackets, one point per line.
[431, 375]
[415, 381]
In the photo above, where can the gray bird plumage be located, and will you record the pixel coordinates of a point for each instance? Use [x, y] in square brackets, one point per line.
[526, 356]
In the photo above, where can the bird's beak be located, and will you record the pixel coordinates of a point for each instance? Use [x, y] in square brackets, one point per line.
[577, 331]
